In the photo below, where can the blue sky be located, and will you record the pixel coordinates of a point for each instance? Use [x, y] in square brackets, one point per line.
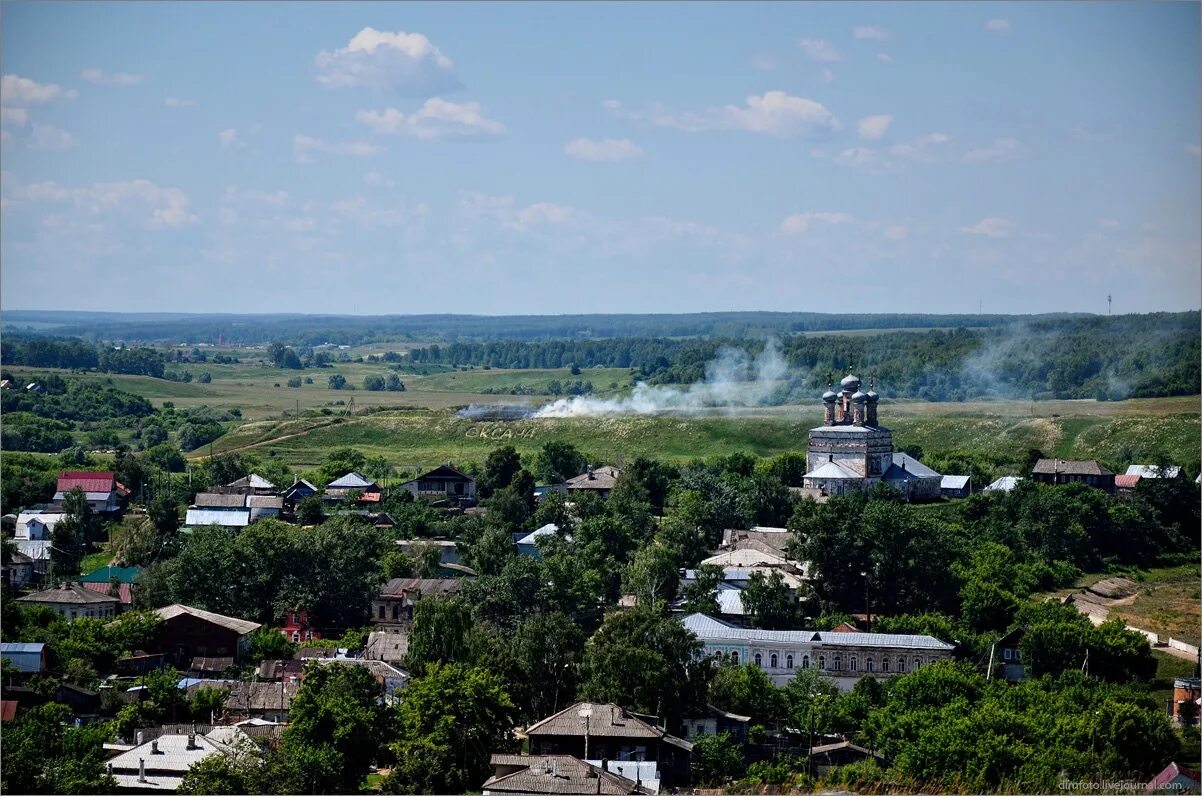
[543, 158]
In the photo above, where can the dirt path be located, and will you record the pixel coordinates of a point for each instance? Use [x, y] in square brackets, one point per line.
[268, 441]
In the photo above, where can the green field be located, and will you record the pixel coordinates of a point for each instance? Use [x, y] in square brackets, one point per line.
[419, 437]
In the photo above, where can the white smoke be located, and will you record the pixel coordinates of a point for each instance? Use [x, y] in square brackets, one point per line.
[732, 379]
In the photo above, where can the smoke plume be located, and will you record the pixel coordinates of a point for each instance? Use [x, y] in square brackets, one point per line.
[733, 379]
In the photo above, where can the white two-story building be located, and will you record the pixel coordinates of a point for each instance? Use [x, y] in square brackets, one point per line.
[843, 657]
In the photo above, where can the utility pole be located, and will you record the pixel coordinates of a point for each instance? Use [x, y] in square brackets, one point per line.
[989, 671]
[1109, 299]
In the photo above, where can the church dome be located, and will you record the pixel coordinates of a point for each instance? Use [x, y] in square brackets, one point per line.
[850, 382]
[872, 396]
[829, 396]
[859, 397]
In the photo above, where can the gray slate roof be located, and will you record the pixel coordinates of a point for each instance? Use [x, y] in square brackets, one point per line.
[1069, 467]
[214, 500]
[239, 626]
[69, 594]
[906, 466]
[708, 628]
[555, 774]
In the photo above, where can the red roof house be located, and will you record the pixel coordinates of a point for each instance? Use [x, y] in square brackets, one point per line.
[1175, 778]
[104, 492]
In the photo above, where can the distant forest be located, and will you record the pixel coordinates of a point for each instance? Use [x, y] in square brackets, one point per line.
[309, 330]
[1083, 356]
[1129, 356]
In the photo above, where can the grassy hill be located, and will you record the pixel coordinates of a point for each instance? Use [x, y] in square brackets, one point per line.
[1115, 431]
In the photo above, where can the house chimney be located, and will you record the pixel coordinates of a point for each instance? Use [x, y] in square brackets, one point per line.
[141, 769]
[140, 737]
[192, 739]
[154, 746]
[605, 764]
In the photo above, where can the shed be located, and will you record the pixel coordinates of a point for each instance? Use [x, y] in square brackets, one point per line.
[955, 486]
[28, 657]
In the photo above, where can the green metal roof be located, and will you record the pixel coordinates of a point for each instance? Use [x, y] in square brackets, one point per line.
[106, 574]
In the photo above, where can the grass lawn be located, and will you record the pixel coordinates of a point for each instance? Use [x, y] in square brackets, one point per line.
[1168, 668]
[1166, 607]
[94, 561]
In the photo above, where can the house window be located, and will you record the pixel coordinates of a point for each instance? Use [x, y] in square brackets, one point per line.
[917, 663]
[855, 664]
[884, 664]
[381, 612]
[868, 664]
[772, 661]
[822, 662]
[789, 662]
[759, 661]
[805, 661]
[734, 658]
[1006, 653]
[838, 663]
[295, 636]
[309, 635]
[901, 665]
[1018, 655]
[396, 611]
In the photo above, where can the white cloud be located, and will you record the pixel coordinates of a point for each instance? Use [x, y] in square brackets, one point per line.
[774, 113]
[15, 116]
[800, 223]
[1000, 151]
[607, 150]
[435, 120]
[49, 137]
[100, 78]
[405, 63]
[1193, 149]
[924, 149]
[304, 147]
[998, 26]
[870, 32]
[377, 180]
[897, 232]
[873, 128]
[860, 158]
[884, 58]
[140, 201]
[17, 90]
[991, 227]
[819, 50]
[505, 210]
[228, 138]
[176, 102]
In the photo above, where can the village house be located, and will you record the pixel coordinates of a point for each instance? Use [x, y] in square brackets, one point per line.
[826, 757]
[299, 490]
[73, 601]
[526, 544]
[603, 731]
[1008, 656]
[557, 774]
[390, 679]
[296, 627]
[955, 486]
[443, 483]
[388, 647]
[1066, 471]
[842, 657]
[159, 764]
[352, 483]
[600, 481]
[101, 582]
[1153, 471]
[36, 525]
[103, 492]
[393, 607]
[187, 632]
[1003, 484]
[270, 701]
[18, 570]
[215, 508]
[252, 484]
[713, 721]
[1175, 779]
[38, 552]
[1124, 485]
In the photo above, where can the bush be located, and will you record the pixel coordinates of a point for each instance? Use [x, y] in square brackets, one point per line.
[295, 381]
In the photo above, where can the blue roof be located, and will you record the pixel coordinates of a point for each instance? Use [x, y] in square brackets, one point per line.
[21, 646]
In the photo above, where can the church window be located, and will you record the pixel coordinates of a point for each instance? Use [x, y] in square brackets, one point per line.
[772, 660]
[734, 658]
[901, 665]
[789, 662]
[868, 664]
[805, 661]
[759, 660]
[822, 662]
[884, 664]
[855, 664]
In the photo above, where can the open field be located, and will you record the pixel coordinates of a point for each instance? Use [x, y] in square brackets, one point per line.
[419, 425]
[431, 436]
[1168, 608]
